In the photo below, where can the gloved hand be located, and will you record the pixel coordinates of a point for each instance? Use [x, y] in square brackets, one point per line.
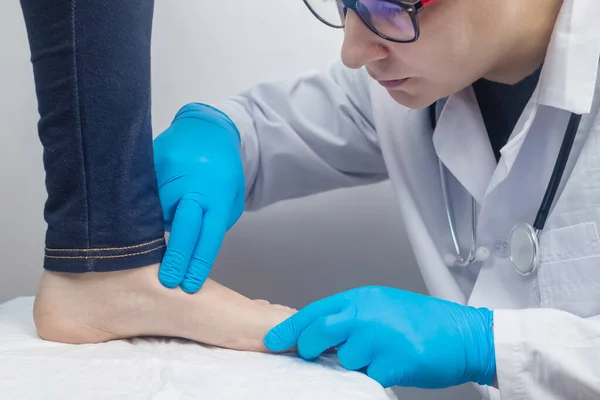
[202, 191]
[401, 338]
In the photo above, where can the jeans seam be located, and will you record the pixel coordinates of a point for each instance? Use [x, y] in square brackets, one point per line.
[105, 257]
[79, 124]
[110, 248]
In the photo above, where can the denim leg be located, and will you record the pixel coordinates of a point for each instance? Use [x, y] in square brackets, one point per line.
[91, 63]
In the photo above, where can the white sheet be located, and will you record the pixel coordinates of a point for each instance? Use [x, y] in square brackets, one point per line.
[31, 368]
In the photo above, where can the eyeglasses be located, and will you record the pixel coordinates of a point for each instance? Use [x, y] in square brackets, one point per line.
[393, 20]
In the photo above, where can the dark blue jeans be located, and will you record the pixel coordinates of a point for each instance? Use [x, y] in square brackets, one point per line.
[91, 62]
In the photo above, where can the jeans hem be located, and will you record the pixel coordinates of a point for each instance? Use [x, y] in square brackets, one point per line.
[105, 259]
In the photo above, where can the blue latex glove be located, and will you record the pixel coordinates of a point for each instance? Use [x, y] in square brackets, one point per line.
[202, 191]
[399, 338]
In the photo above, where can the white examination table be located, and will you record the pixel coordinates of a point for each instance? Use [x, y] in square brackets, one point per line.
[158, 369]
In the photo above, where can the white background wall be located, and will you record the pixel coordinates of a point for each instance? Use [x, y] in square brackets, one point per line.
[206, 51]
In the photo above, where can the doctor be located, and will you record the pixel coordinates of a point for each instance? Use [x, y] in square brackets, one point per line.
[484, 116]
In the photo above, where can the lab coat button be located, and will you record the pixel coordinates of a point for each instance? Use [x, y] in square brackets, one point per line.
[501, 248]
[482, 254]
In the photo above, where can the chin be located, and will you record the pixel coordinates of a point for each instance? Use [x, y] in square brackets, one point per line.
[409, 100]
[413, 97]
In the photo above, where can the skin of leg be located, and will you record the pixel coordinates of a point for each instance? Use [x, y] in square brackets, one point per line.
[99, 307]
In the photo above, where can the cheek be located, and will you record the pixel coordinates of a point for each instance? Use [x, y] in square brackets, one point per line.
[443, 55]
[430, 58]
[443, 62]
[463, 60]
[443, 67]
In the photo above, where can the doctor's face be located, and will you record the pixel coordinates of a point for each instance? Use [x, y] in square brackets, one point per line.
[461, 41]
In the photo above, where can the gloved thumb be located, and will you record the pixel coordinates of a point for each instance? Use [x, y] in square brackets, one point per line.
[285, 335]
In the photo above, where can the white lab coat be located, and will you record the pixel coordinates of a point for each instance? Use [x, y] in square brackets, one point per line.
[333, 129]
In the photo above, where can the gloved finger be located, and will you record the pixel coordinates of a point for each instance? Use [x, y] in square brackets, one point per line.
[357, 352]
[326, 332]
[169, 201]
[186, 227]
[383, 371]
[285, 335]
[209, 243]
[238, 207]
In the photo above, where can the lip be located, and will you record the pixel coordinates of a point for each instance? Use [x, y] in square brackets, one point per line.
[392, 84]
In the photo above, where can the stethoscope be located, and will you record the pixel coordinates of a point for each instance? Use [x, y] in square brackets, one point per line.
[524, 239]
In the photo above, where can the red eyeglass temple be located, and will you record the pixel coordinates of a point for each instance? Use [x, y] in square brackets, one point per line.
[425, 2]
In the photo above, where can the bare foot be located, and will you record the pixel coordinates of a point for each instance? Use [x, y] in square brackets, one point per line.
[98, 307]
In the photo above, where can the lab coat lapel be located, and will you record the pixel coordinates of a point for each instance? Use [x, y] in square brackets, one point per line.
[405, 137]
[406, 142]
[512, 148]
[462, 144]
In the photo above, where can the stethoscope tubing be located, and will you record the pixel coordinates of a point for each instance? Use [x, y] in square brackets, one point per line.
[557, 173]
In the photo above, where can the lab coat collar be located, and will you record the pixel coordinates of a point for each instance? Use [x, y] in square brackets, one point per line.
[568, 78]
[462, 144]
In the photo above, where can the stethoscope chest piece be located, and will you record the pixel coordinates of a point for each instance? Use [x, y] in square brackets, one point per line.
[524, 247]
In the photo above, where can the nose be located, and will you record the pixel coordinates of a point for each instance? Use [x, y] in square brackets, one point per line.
[361, 46]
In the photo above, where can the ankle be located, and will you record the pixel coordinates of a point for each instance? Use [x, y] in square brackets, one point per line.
[89, 308]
